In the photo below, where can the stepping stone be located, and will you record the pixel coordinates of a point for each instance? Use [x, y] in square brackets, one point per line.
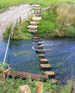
[41, 55]
[49, 73]
[38, 15]
[32, 27]
[37, 11]
[30, 30]
[40, 43]
[36, 18]
[37, 8]
[44, 66]
[36, 40]
[54, 81]
[35, 5]
[33, 23]
[40, 46]
[44, 60]
[35, 37]
[40, 50]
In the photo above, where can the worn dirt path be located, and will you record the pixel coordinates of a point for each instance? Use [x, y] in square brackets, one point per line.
[12, 14]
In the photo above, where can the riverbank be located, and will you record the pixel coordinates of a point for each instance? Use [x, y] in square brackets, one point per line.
[12, 15]
[12, 85]
[44, 3]
[56, 22]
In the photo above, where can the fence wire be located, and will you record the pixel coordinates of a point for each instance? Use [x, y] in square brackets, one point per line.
[7, 47]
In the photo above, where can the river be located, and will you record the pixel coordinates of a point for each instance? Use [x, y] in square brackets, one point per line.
[60, 53]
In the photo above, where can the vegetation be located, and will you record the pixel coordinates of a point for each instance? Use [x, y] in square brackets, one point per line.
[47, 24]
[57, 21]
[49, 27]
[5, 4]
[12, 85]
[53, 24]
[3, 66]
[19, 31]
[67, 88]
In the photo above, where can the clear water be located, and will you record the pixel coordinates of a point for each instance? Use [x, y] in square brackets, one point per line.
[60, 53]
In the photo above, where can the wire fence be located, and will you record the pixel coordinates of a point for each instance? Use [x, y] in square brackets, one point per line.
[7, 47]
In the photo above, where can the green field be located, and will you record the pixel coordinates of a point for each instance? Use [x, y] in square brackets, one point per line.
[4, 4]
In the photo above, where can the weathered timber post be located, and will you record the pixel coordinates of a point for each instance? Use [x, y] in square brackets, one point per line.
[39, 87]
[24, 89]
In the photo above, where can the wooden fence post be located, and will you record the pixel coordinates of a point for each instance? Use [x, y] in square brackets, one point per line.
[24, 89]
[39, 87]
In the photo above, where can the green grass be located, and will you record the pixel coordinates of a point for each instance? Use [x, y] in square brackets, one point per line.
[4, 4]
[47, 24]
[19, 31]
[67, 88]
[12, 86]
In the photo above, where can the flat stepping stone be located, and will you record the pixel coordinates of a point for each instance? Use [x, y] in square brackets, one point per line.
[35, 5]
[37, 8]
[33, 23]
[36, 18]
[36, 37]
[36, 40]
[44, 66]
[49, 73]
[40, 46]
[40, 50]
[30, 30]
[54, 81]
[37, 14]
[44, 60]
[40, 43]
[32, 27]
[41, 55]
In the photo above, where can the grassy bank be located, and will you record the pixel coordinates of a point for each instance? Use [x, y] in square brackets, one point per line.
[55, 23]
[19, 31]
[4, 4]
[12, 86]
[47, 24]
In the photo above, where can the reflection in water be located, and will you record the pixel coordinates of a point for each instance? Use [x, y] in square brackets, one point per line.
[60, 53]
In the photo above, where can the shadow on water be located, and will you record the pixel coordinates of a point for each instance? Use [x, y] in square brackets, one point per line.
[60, 53]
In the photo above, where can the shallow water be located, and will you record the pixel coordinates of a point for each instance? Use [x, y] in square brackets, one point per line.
[60, 53]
